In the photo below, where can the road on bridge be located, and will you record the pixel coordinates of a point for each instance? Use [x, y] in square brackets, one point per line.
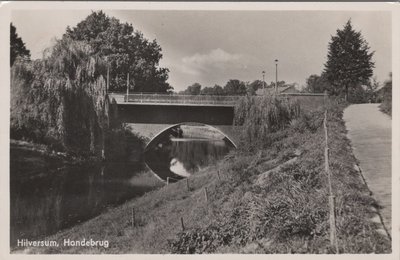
[370, 132]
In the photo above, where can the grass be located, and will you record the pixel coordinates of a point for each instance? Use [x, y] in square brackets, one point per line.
[260, 203]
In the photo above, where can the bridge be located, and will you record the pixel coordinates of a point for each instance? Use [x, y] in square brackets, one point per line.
[150, 114]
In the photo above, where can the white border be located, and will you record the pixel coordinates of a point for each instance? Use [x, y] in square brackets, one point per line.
[5, 11]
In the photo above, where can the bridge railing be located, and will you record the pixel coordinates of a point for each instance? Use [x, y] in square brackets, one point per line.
[157, 98]
[176, 98]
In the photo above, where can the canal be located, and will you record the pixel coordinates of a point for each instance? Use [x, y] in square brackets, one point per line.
[49, 195]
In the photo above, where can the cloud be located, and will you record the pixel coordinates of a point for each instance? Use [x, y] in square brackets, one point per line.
[215, 59]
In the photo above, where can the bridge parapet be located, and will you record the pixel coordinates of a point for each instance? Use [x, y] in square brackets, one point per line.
[174, 99]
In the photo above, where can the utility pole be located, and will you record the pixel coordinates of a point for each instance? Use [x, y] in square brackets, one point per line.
[263, 74]
[276, 76]
[127, 88]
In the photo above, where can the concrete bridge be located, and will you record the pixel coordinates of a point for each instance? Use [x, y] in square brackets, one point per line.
[152, 114]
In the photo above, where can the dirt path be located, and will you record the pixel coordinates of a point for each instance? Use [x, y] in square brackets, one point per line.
[370, 133]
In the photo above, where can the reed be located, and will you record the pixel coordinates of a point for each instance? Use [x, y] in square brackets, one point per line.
[260, 116]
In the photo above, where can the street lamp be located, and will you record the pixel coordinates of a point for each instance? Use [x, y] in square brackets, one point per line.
[263, 74]
[276, 76]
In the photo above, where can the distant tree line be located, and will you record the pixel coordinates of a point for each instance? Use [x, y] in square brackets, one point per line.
[233, 87]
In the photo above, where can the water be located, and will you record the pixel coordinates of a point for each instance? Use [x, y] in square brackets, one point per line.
[56, 199]
[47, 195]
[177, 158]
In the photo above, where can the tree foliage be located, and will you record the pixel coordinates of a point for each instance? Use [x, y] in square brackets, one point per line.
[318, 84]
[17, 46]
[386, 96]
[254, 86]
[60, 100]
[125, 50]
[193, 89]
[349, 63]
[235, 87]
[216, 90]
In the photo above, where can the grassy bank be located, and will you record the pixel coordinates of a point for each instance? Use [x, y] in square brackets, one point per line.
[268, 200]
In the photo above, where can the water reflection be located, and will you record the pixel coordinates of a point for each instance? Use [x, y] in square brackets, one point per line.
[179, 157]
[44, 204]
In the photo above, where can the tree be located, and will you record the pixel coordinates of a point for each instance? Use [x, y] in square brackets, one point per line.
[125, 50]
[60, 100]
[235, 87]
[317, 84]
[194, 89]
[349, 61]
[216, 90]
[386, 96]
[281, 83]
[17, 46]
[254, 86]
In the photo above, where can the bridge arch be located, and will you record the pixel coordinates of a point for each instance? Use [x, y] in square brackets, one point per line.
[154, 140]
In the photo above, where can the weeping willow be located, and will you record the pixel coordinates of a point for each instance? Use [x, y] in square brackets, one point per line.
[260, 116]
[60, 99]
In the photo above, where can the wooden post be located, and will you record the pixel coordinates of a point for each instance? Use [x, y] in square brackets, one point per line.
[183, 227]
[332, 223]
[332, 217]
[187, 184]
[133, 217]
[127, 88]
[108, 79]
[167, 180]
[205, 193]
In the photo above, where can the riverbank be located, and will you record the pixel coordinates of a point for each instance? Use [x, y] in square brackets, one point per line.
[269, 201]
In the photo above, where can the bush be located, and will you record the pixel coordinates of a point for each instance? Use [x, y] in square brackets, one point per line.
[386, 96]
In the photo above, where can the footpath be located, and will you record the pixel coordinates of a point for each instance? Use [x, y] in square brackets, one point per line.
[370, 132]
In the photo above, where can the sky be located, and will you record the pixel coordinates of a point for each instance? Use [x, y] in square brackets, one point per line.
[211, 47]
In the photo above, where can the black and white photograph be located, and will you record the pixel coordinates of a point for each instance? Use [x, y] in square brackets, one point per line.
[199, 128]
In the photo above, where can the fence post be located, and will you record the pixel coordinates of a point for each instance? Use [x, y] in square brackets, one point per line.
[187, 184]
[332, 223]
[167, 180]
[183, 226]
[206, 194]
[332, 217]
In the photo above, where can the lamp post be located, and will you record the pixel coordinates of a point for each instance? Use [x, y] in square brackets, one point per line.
[276, 76]
[263, 74]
